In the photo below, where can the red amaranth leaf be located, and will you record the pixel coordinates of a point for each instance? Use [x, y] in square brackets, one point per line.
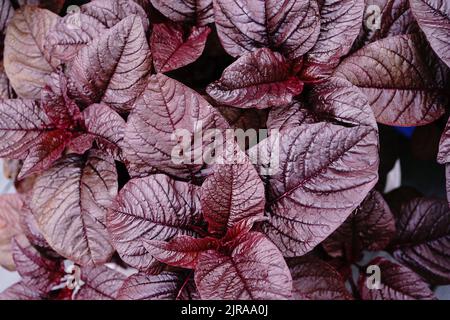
[10, 213]
[336, 99]
[433, 17]
[290, 27]
[112, 69]
[423, 238]
[340, 23]
[324, 171]
[443, 156]
[260, 79]
[100, 283]
[44, 154]
[252, 269]
[38, 272]
[232, 193]
[172, 49]
[106, 127]
[314, 279]
[26, 63]
[199, 12]
[397, 283]
[370, 227]
[151, 137]
[22, 124]
[164, 286]
[20, 291]
[70, 202]
[181, 251]
[151, 208]
[399, 80]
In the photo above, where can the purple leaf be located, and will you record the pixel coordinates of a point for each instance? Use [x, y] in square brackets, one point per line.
[112, 68]
[397, 283]
[199, 12]
[433, 17]
[181, 251]
[100, 283]
[70, 34]
[25, 61]
[106, 126]
[151, 208]
[37, 272]
[165, 107]
[252, 269]
[10, 213]
[260, 79]
[337, 99]
[22, 124]
[314, 279]
[324, 171]
[20, 291]
[232, 193]
[396, 76]
[340, 23]
[70, 202]
[164, 286]
[172, 49]
[423, 238]
[44, 154]
[290, 27]
[370, 227]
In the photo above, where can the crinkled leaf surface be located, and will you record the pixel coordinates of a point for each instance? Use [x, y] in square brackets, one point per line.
[314, 279]
[198, 12]
[340, 23]
[165, 108]
[396, 76]
[260, 79]
[290, 27]
[370, 227]
[20, 291]
[164, 286]
[172, 49]
[181, 251]
[423, 238]
[38, 272]
[323, 172]
[26, 63]
[433, 17]
[112, 68]
[397, 283]
[10, 214]
[106, 127]
[253, 269]
[70, 202]
[151, 208]
[100, 283]
[22, 124]
[232, 193]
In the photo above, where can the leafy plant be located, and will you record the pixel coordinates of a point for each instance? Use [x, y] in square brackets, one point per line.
[108, 206]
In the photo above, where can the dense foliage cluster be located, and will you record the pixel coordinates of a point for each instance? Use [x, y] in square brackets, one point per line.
[91, 93]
